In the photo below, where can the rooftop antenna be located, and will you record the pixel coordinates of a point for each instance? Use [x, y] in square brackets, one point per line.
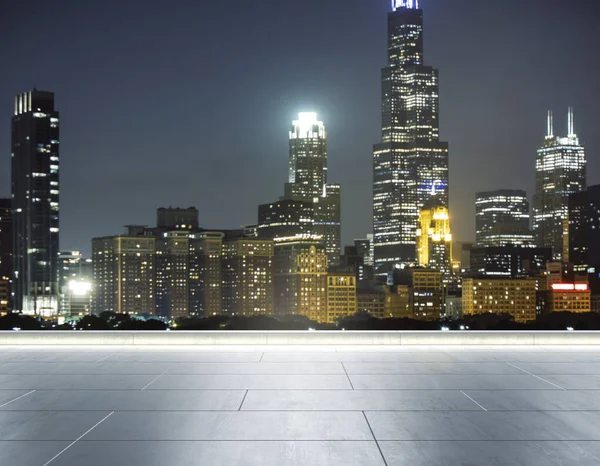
[571, 123]
[550, 133]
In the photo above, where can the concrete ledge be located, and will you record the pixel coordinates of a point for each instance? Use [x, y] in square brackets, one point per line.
[282, 338]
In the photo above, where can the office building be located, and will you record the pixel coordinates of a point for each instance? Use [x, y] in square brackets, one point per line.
[177, 219]
[509, 261]
[416, 293]
[173, 273]
[328, 221]
[560, 172]
[434, 240]
[285, 218]
[569, 297]
[35, 203]
[371, 300]
[124, 273]
[75, 284]
[206, 276]
[411, 163]
[514, 296]
[300, 277]
[502, 218]
[583, 241]
[341, 295]
[6, 254]
[247, 270]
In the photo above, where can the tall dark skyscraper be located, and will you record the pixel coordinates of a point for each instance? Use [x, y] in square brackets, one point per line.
[584, 230]
[411, 163]
[35, 194]
[6, 254]
[560, 171]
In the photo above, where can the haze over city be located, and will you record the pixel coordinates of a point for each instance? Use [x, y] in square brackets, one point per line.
[167, 106]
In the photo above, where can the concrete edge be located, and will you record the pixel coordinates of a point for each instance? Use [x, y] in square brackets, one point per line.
[284, 338]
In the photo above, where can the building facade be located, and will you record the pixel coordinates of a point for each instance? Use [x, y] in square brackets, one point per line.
[6, 255]
[341, 295]
[75, 284]
[177, 219]
[35, 203]
[173, 274]
[411, 163]
[285, 218]
[247, 276]
[560, 172]
[514, 296]
[434, 239]
[509, 261]
[583, 241]
[569, 297]
[502, 218]
[124, 274]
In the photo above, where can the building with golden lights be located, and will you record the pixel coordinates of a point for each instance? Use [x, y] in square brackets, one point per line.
[434, 240]
[569, 297]
[416, 293]
[514, 296]
[341, 295]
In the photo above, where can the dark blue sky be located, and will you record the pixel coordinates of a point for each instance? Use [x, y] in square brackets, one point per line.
[189, 102]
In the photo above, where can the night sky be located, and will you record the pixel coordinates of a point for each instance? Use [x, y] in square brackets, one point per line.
[189, 103]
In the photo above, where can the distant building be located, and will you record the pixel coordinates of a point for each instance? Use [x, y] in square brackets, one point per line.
[75, 283]
[285, 218]
[502, 218]
[410, 162]
[417, 293]
[569, 297]
[177, 218]
[434, 240]
[308, 180]
[35, 203]
[173, 273]
[6, 255]
[583, 241]
[454, 307]
[341, 295]
[461, 253]
[371, 301]
[560, 172]
[509, 261]
[206, 276]
[300, 277]
[514, 296]
[124, 273]
[247, 270]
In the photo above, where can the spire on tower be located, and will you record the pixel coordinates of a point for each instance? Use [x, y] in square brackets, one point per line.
[571, 128]
[550, 132]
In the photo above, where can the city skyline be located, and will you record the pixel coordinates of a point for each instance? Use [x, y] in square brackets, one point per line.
[135, 152]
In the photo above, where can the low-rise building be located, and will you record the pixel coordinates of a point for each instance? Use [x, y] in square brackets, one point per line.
[569, 297]
[341, 295]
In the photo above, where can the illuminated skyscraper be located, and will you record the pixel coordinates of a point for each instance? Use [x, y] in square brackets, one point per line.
[560, 171]
[411, 163]
[308, 180]
[502, 218]
[6, 255]
[35, 193]
[434, 240]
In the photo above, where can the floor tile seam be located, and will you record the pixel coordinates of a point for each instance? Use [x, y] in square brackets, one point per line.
[421, 390]
[105, 357]
[375, 439]
[200, 441]
[243, 399]
[536, 376]
[79, 438]
[155, 379]
[478, 404]
[325, 410]
[347, 376]
[15, 399]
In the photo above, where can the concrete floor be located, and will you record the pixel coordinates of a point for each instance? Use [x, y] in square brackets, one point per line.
[308, 406]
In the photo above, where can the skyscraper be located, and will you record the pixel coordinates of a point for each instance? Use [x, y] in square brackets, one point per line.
[308, 180]
[411, 163]
[35, 195]
[560, 171]
[584, 230]
[502, 218]
[434, 240]
[6, 254]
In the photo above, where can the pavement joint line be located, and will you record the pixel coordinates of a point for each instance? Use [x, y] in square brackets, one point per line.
[243, 399]
[536, 376]
[78, 439]
[155, 379]
[373, 434]
[261, 357]
[105, 357]
[473, 401]
[346, 372]
[18, 398]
